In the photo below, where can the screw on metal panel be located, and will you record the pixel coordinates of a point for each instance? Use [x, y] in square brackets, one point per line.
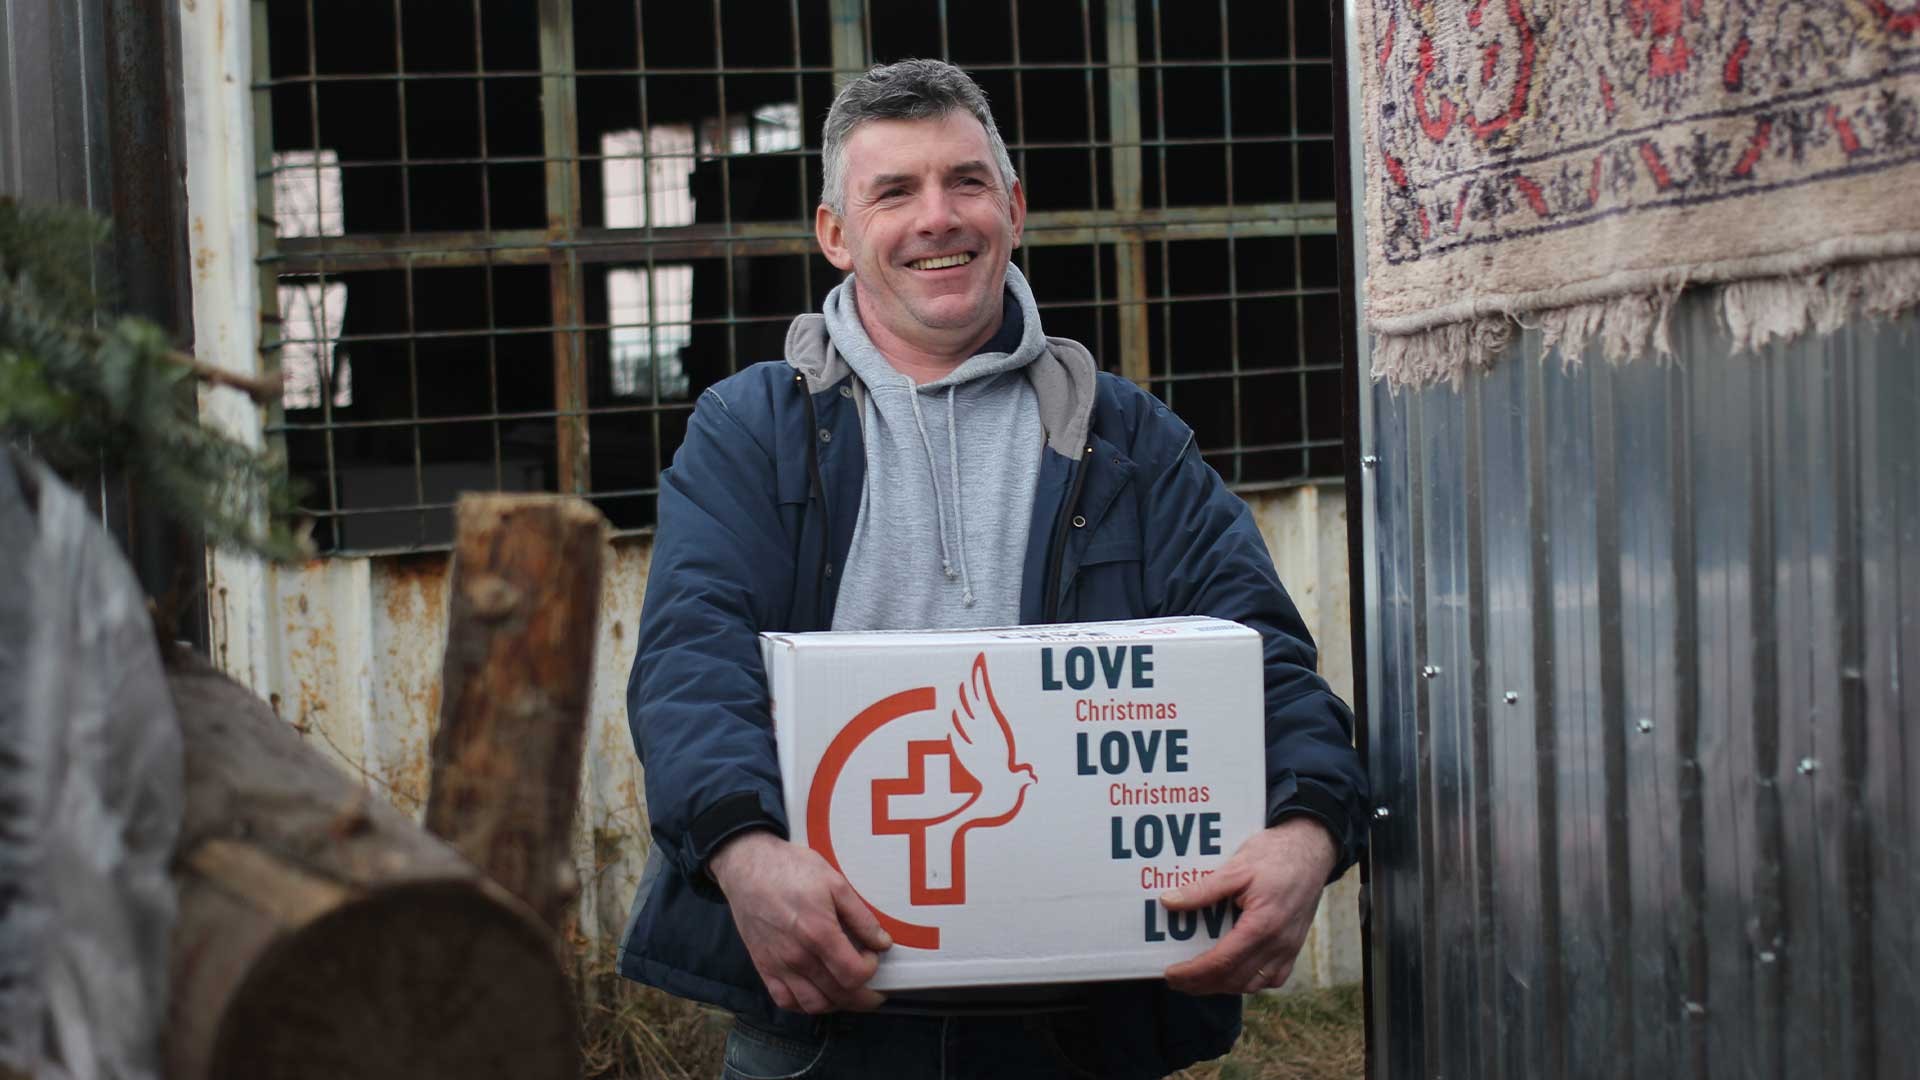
[1382, 813]
[1369, 461]
[1512, 697]
[1808, 765]
[1645, 725]
[1430, 672]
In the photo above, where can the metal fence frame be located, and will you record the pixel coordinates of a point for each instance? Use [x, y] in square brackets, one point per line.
[1134, 231]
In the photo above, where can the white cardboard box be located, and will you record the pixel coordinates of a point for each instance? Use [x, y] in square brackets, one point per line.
[1011, 802]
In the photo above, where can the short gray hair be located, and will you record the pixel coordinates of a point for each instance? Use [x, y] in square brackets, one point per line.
[908, 90]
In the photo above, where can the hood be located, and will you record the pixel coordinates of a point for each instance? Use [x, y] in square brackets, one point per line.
[1062, 373]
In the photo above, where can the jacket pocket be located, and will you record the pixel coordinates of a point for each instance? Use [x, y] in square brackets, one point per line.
[1106, 584]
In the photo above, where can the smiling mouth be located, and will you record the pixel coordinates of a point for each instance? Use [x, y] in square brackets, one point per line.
[941, 262]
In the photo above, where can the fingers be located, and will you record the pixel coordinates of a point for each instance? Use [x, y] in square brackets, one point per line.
[1246, 973]
[846, 949]
[859, 919]
[1225, 968]
[797, 994]
[812, 940]
[799, 981]
[1275, 880]
[1255, 955]
[835, 960]
[819, 957]
[1272, 976]
[863, 1000]
[1211, 889]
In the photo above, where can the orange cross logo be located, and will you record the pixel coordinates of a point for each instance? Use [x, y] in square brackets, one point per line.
[965, 781]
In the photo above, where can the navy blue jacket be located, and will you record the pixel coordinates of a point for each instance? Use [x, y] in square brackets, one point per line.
[757, 513]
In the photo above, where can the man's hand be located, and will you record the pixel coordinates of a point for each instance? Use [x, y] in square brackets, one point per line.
[1275, 879]
[813, 941]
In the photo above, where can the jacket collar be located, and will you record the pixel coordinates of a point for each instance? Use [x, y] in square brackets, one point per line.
[1063, 378]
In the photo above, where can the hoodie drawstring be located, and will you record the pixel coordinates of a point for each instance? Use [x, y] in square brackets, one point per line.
[933, 477]
[940, 503]
[959, 512]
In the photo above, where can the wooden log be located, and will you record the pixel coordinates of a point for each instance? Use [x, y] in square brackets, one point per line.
[322, 934]
[525, 594]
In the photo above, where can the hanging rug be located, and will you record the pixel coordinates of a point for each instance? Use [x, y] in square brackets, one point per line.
[1574, 165]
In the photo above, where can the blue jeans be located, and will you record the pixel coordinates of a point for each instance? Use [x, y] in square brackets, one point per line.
[887, 1046]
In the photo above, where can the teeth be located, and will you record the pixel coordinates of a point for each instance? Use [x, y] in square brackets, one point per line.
[942, 262]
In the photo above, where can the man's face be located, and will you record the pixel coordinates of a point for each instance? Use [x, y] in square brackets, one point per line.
[928, 228]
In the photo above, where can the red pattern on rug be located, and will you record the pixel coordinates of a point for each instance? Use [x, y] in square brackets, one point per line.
[1639, 104]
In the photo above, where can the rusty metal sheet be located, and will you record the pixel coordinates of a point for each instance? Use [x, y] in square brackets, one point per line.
[356, 666]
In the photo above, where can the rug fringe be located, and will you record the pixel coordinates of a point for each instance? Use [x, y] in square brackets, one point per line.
[1754, 313]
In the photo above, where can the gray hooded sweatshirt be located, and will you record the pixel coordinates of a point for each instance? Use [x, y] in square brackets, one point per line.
[951, 468]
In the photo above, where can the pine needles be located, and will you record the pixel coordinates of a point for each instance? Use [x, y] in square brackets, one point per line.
[85, 390]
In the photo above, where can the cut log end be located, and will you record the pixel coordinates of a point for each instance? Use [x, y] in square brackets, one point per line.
[323, 934]
[418, 981]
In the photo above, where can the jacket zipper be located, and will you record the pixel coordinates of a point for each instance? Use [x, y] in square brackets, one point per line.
[1051, 610]
[818, 491]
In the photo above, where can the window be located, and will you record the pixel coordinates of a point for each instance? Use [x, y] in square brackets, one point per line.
[515, 239]
[649, 312]
[310, 317]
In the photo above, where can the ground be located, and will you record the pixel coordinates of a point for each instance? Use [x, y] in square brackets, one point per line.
[637, 1033]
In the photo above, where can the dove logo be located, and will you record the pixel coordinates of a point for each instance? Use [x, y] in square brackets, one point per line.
[969, 780]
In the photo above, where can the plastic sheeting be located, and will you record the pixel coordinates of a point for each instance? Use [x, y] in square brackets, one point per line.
[90, 794]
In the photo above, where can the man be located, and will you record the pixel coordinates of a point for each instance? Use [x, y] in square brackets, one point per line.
[927, 457]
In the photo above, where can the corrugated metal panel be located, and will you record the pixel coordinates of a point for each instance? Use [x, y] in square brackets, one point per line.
[1644, 640]
[355, 648]
[88, 107]
[53, 103]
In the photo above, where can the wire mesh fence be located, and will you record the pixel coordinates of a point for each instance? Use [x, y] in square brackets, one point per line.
[511, 242]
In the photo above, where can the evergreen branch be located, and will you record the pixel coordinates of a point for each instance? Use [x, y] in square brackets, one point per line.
[93, 391]
[259, 388]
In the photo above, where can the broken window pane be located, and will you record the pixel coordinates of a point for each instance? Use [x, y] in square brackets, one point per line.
[306, 194]
[311, 314]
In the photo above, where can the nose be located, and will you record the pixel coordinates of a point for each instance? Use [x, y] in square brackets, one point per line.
[937, 212]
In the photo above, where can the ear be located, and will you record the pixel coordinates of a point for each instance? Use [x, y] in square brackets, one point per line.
[830, 231]
[1017, 211]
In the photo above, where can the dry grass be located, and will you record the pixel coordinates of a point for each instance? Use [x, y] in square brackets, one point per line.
[634, 1032]
[1311, 1035]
